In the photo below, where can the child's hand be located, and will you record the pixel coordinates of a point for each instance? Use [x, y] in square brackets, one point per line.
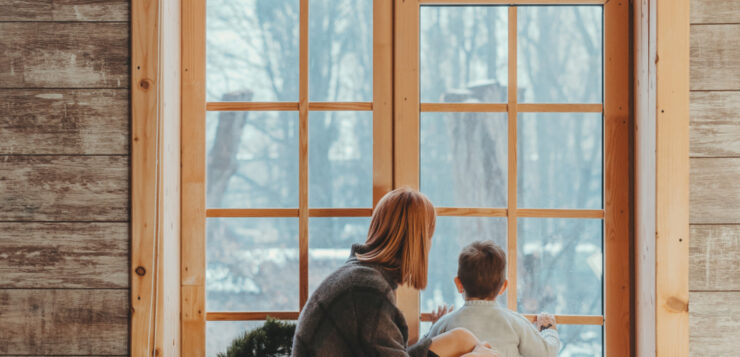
[545, 321]
[441, 311]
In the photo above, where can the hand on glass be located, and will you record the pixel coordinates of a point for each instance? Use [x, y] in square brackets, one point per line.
[441, 311]
[545, 321]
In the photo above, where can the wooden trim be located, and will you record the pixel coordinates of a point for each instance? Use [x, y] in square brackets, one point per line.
[303, 155]
[514, 2]
[560, 319]
[463, 107]
[193, 258]
[332, 106]
[471, 212]
[251, 212]
[251, 316]
[672, 178]
[145, 170]
[249, 106]
[382, 98]
[560, 108]
[617, 169]
[340, 212]
[561, 213]
[511, 222]
[406, 129]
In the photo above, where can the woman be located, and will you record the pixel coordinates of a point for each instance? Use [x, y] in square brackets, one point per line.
[353, 311]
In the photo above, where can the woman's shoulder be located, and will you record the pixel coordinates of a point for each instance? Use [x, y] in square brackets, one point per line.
[354, 275]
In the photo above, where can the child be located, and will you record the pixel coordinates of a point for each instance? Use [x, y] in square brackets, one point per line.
[481, 277]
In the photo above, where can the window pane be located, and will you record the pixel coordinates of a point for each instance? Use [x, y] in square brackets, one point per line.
[450, 236]
[581, 341]
[341, 159]
[220, 334]
[252, 264]
[464, 159]
[341, 50]
[252, 50]
[560, 266]
[560, 160]
[464, 54]
[330, 240]
[560, 54]
[252, 159]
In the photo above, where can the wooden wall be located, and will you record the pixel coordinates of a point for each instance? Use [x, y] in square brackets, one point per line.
[64, 177]
[715, 178]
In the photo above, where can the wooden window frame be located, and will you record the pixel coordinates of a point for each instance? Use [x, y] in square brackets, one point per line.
[396, 109]
[617, 121]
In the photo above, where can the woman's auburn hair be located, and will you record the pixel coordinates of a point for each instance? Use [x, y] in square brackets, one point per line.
[399, 236]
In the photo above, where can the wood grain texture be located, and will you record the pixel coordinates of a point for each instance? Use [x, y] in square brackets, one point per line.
[65, 121]
[64, 255]
[715, 323]
[715, 124]
[714, 53]
[63, 322]
[64, 55]
[64, 188]
[715, 11]
[715, 190]
[64, 10]
[714, 253]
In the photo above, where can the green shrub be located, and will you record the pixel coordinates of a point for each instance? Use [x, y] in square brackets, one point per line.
[274, 338]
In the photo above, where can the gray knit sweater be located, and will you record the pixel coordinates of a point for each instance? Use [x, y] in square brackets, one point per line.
[353, 313]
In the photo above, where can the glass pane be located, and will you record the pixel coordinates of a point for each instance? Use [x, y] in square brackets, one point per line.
[450, 236]
[464, 54]
[560, 54]
[560, 266]
[560, 160]
[464, 159]
[330, 240]
[341, 159]
[252, 264]
[581, 341]
[252, 50]
[220, 334]
[252, 159]
[340, 56]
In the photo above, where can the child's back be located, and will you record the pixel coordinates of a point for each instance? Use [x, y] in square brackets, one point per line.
[510, 333]
[481, 277]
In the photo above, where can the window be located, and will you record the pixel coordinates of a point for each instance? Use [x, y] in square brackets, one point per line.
[511, 116]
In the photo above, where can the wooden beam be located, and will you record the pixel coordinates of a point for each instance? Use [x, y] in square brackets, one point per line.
[617, 172]
[514, 2]
[248, 106]
[193, 264]
[334, 106]
[560, 319]
[303, 154]
[511, 219]
[251, 315]
[382, 98]
[463, 107]
[251, 212]
[471, 212]
[561, 213]
[560, 108]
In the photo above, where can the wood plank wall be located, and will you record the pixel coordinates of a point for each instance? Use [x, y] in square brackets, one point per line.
[64, 177]
[715, 178]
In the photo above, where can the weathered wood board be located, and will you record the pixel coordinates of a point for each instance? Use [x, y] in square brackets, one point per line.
[64, 121]
[715, 124]
[714, 252]
[64, 55]
[64, 255]
[715, 50]
[715, 190]
[714, 320]
[63, 322]
[715, 11]
[64, 10]
[64, 188]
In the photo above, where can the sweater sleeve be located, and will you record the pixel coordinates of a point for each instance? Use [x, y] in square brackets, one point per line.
[533, 343]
